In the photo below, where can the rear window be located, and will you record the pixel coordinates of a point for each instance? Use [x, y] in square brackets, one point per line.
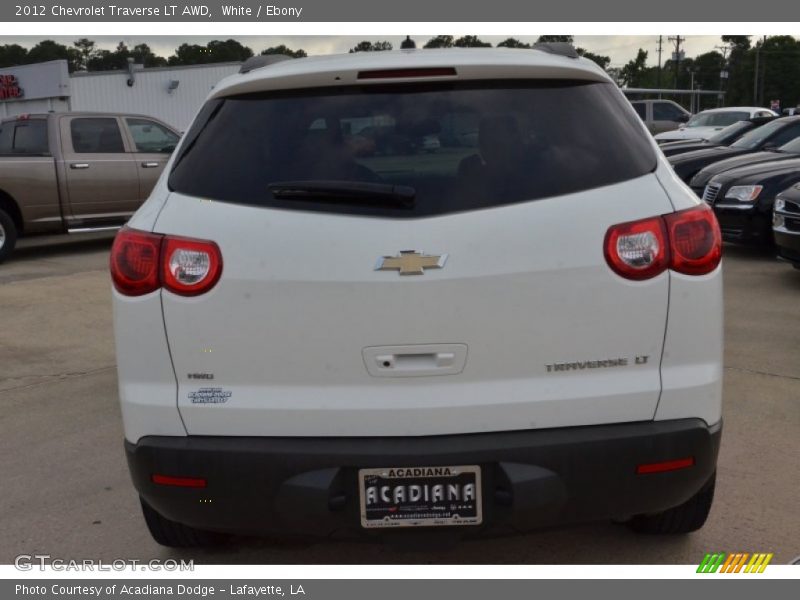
[24, 137]
[717, 119]
[449, 148]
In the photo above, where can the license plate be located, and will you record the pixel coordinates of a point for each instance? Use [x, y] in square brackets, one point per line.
[420, 496]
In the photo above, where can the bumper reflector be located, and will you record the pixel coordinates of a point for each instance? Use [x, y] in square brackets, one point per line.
[667, 465]
[192, 482]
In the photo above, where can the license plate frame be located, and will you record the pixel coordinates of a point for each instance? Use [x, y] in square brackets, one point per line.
[456, 507]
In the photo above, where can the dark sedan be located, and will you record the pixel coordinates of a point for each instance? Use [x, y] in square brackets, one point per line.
[743, 198]
[770, 136]
[786, 152]
[722, 138]
[786, 225]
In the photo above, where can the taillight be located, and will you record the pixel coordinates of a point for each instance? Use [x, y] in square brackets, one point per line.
[135, 262]
[637, 250]
[688, 241]
[695, 240]
[143, 262]
[190, 267]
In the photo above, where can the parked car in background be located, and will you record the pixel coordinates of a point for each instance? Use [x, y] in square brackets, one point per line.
[743, 198]
[661, 115]
[770, 136]
[707, 123]
[786, 225]
[788, 151]
[76, 172]
[727, 136]
[401, 342]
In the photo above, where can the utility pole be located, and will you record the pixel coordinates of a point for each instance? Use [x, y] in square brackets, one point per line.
[660, 41]
[677, 55]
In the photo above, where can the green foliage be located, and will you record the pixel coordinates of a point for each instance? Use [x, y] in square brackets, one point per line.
[282, 49]
[440, 41]
[214, 52]
[471, 41]
[602, 61]
[371, 47]
[513, 43]
[12, 55]
[545, 39]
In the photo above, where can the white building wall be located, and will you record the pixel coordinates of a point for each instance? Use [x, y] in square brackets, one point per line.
[149, 94]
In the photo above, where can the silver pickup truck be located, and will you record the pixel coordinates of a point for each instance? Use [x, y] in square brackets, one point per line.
[76, 172]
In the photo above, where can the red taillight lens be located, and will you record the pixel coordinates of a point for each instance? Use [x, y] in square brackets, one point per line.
[637, 250]
[142, 262]
[135, 262]
[688, 241]
[190, 267]
[695, 240]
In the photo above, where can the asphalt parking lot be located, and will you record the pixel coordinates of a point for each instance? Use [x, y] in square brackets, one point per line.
[65, 484]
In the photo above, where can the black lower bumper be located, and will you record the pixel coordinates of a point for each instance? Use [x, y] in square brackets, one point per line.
[788, 246]
[745, 226]
[308, 486]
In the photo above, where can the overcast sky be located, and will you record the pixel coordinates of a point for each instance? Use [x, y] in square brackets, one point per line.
[621, 49]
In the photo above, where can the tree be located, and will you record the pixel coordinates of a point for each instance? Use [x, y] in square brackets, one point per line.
[440, 41]
[513, 43]
[371, 47]
[471, 41]
[12, 55]
[49, 50]
[142, 54]
[213, 52]
[282, 49]
[85, 48]
[602, 61]
[633, 72]
[545, 39]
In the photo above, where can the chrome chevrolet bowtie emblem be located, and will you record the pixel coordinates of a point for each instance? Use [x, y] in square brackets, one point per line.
[410, 262]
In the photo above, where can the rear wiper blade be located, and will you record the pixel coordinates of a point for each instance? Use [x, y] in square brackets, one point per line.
[360, 192]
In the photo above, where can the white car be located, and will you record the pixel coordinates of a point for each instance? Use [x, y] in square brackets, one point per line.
[708, 122]
[522, 332]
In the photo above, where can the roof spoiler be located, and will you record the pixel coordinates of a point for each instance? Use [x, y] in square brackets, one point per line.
[559, 48]
[258, 62]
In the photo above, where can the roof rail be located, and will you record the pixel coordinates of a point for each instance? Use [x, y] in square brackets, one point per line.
[265, 60]
[558, 48]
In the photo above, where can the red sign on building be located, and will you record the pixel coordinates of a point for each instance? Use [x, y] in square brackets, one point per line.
[9, 88]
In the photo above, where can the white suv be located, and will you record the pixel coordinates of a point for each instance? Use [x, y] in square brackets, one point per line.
[322, 328]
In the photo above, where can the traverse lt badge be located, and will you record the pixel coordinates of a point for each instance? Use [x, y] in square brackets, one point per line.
[410, 262]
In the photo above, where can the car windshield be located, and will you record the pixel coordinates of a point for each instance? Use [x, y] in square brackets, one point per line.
[731, 132]
[755, 138]
[717, 119]
[456, 147]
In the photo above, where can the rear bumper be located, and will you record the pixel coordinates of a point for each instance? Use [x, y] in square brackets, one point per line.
[308, 486]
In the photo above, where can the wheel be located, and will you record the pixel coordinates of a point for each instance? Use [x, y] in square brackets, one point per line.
[8, 234]
[689, 516]
[176, 535]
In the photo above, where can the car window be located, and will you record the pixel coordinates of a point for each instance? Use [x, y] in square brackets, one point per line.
[96, 135]
[665, 111]
[731, 132]
[459, 147]
[716, 119]
[753, 139]
[641, 109]
[24, 137]
[785, 135]
[764, 113]
[150, 136]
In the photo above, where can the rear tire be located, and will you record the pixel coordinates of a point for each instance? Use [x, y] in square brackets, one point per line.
[8, 235]
[176, 535]
[685, 518]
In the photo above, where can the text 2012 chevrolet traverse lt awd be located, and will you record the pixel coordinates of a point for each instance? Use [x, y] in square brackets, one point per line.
[324, 327]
